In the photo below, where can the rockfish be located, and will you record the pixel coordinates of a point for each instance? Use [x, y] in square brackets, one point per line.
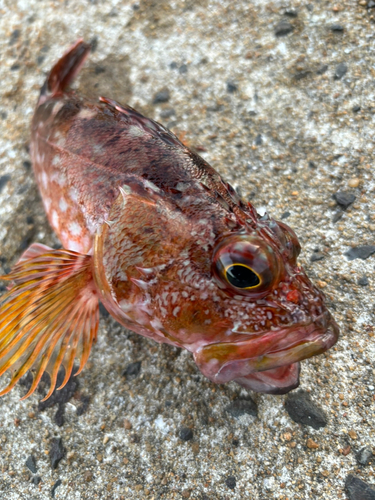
[152, 231]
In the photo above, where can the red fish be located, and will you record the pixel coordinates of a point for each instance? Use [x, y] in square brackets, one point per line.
[153, 231]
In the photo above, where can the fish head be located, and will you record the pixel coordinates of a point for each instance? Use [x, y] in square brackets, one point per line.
[233, 295]
[279, 316]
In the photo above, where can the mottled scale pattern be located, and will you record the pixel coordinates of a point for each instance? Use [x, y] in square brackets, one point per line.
[79, 180]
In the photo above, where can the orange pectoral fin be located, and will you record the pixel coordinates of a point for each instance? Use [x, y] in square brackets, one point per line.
[49, 315]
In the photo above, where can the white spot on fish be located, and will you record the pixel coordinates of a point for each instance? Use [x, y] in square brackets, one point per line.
[45, 180]
[182, 186]
[39, 158]
[63, 205]
[55, 220]
[47, 204]
[73, 194]
[98, 148]
[135, 131]
[74, 246]
[59, 178]
[156, 323]
[55, 160]
[86, 114]
[75, 229]
[57, 107]
[151, 185]
[176, 311]
[125, 305]
[164, 297]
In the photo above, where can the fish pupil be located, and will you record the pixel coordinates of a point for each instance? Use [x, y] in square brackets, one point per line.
[242, 277]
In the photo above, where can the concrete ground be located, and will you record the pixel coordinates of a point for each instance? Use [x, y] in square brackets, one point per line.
[280, 98]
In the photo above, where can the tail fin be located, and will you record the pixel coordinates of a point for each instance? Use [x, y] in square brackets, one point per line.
[66, 68]
[49, 315]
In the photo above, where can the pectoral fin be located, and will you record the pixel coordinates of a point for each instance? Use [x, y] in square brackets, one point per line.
[49, 315]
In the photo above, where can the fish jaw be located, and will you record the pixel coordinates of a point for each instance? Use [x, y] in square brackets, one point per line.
[268, 362]
[275, 381]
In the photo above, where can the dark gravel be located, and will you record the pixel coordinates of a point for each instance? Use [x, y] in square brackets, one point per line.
[259, 140]
[320, 71]
[358, 489]
[231, 482]
[361, 252]
[161, 96]
[132, 370]
[344, 199]
[303, 410]
[54, 487]
[31, 464]
[340, 71]
[14, 36]
[183, 69]
[56, 452]
[338, 28]
[3, 181]
[231, 87]
[283, 28]
[291, 13]
[167, 113]
[185, 434]
[317, 256]
[363, 281]
[337, 216]
[364, 456]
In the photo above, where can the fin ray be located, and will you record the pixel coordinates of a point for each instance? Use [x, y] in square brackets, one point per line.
[66, 68]
[39, 311]
[48, 317]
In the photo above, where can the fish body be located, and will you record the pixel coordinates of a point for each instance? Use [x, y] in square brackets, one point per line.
[153, 231]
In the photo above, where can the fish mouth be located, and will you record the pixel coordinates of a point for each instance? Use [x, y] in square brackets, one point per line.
[274, 381]
[270, 362]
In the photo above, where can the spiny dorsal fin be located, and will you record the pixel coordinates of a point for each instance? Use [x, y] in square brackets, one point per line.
[48, 317]
[66, 68]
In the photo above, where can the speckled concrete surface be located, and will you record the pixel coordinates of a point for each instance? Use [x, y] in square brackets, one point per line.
[279, 97]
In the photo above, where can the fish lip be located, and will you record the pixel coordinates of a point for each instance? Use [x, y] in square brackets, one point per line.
[312, 340]
[266, 382]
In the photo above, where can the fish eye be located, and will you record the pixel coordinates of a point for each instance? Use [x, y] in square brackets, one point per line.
[246, 265]
[242, 276]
